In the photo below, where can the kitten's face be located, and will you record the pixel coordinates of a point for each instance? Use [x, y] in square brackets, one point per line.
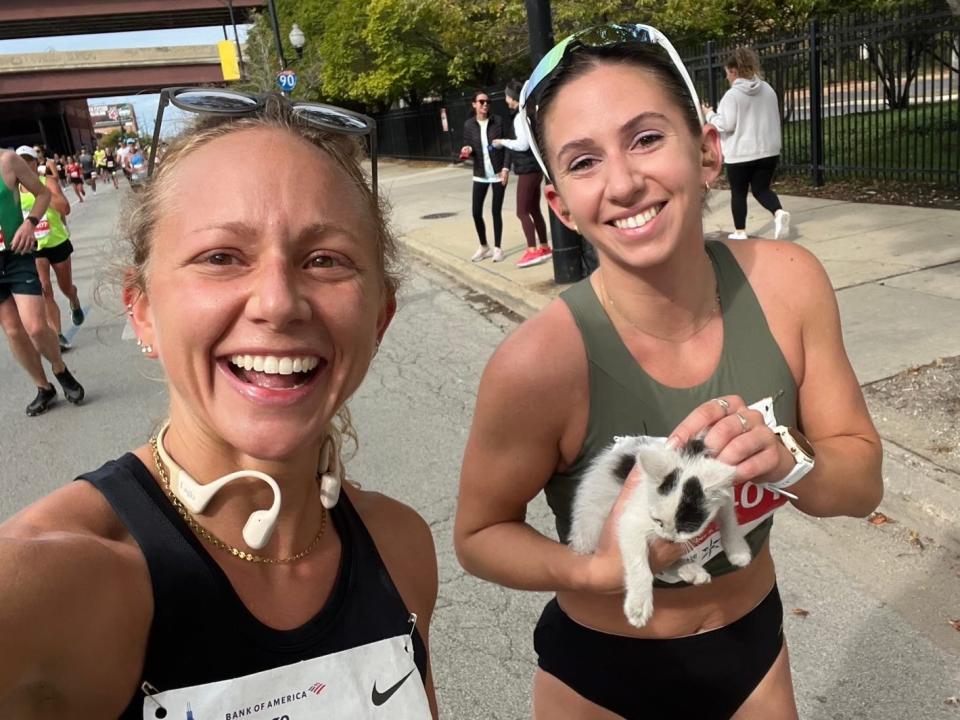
[684, 490]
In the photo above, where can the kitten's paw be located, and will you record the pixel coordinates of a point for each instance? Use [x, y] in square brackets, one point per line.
[693, 574]
[740, 556]
[638, 607]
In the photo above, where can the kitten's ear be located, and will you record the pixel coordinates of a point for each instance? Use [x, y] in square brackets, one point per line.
[657, 460]
[716, 475]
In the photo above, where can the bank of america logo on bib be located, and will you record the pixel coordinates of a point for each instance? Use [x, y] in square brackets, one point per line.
[317, 688]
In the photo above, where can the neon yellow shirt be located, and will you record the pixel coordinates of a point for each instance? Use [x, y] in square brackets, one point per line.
[51, 230]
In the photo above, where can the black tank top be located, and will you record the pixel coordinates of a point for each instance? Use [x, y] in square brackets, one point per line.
[201, 631]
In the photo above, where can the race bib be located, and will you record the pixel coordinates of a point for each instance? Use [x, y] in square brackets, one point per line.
[377, 680]
[754, 504]
[74, 174]
[42, 229]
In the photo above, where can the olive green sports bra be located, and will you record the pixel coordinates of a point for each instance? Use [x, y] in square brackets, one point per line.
[624, 400]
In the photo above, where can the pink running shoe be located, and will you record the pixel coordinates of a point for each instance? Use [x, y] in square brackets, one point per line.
[530, 257]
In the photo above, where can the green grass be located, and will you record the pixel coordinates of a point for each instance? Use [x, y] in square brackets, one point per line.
[885, 143]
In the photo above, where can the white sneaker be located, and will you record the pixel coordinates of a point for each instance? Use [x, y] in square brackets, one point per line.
[482, 253]
[497, 255]
[737, 235]
[781, 224]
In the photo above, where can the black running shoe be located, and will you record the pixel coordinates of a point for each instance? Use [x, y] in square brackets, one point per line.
[76, 315]
[45, 396]
[72, 390]
[65, 345]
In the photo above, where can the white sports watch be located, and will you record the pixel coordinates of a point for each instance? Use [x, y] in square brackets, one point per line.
[802, 451]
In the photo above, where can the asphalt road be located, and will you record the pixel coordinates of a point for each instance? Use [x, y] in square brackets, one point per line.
[867, 607]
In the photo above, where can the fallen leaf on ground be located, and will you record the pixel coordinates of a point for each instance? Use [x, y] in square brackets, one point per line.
[878, 518]
[952, 700]
[915, 540]
[955, 624]
[800, 612]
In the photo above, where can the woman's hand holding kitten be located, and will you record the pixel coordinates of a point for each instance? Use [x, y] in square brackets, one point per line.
[605, 565]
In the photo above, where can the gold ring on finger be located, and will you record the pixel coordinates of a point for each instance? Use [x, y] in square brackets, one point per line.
[724, 404]
[743, 422]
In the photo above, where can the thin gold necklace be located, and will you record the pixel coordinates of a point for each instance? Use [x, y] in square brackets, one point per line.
[217, 542]
[607, 300]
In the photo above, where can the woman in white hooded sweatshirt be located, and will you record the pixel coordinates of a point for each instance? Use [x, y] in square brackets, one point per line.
[748, 119]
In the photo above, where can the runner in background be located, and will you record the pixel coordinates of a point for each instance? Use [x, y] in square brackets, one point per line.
[122, 152]
[75, 175]
[86, 165]
[22, 312]
[100, 163]
[53, 249]
[38, 156]
[111, 167]
[61, 165]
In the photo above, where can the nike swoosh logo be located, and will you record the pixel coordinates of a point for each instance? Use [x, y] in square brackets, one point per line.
[379, 698]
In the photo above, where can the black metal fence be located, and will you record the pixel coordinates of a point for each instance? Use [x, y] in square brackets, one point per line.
[862, 95]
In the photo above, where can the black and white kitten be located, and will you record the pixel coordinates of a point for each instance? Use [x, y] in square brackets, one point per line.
[681, 492]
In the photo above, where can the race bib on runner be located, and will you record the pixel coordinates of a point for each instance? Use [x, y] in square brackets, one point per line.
[377, 680]
[42, 229]
[754, 504]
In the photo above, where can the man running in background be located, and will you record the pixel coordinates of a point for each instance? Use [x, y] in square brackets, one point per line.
[86, 165]
[22, 311]
[100, 163]
[122, 154]
[53, 250]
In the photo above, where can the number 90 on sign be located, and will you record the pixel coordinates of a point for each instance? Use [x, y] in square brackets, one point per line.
[286, 80]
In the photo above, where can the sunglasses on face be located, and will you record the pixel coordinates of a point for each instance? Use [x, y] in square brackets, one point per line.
[596, 37]
[232, 103]
[483, 102]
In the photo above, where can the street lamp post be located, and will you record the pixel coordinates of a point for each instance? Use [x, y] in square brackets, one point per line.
[298, 40]
[275, 22]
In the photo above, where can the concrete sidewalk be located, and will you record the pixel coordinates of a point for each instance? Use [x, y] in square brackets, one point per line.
[896, 271]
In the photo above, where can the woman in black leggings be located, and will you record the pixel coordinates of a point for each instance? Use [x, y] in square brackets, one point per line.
[479, 133]
[748, 119]
[529, 178]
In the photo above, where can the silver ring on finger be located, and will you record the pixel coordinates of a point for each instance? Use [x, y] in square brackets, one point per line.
[723, 404]
[743, 423]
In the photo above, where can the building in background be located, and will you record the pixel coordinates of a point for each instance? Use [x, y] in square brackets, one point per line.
[60, 125]
[110, 118]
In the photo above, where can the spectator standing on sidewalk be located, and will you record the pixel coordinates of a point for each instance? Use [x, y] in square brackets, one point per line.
[479, 132]
[53, 250]
[524, 165]
[22, 312]
[748, 119]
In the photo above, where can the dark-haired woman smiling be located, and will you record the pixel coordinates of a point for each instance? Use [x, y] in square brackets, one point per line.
[670, 338]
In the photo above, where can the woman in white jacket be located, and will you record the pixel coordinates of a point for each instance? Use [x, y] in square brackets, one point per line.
[748, 119]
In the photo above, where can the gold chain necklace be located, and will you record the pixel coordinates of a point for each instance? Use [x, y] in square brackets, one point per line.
[217, 542]
[607, 300]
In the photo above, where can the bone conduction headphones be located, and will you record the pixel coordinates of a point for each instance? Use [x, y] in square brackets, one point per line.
[261, 523]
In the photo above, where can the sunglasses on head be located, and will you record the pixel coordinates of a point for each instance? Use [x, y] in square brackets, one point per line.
[594, 37]
[214, 101]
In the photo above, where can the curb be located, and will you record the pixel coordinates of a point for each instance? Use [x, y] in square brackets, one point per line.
[521, 301]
